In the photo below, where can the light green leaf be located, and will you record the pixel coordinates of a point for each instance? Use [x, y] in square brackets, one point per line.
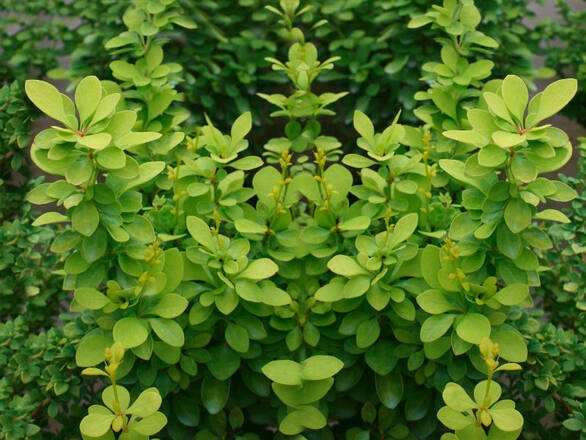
[90, 350]
[457, 398]
[512, 346]
[146, 404]
[320, 367]
[517, 215]
[473, 328]
[454, 420]
[245, 226]
[85, 218]
[359, 223]
[49, 218]
[106, 107]
[200, 231]
[434, 301]
[47, 98]
[435, 327]
[237, 337]
[404, 228]
[169, 331]
[241, 127]
[516, 95]
[259, 269]
[130, 332]
[346, 266]
[506, 419]
[87, 97]
[497, 106]
[285, 372]
[111, 158]
[467, 136]
[90, 298]
[97, 141]
[505, 139]
[363, 126]
[419, 21]
[169, 306]
[150, 425]
[555, 97]
[308, 392]
[513, 294]
[553, 215]
[304, 417]
[367, 333]
[96, 425]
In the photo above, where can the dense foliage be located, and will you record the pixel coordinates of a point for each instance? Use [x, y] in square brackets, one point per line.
[332, 288]
[224, 61]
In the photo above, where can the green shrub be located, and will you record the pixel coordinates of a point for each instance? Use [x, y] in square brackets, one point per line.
[243, 295]
[555, 382]
[41, 389]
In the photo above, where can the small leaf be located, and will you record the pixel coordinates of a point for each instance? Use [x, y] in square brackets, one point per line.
[435, 327]
[237, 337]
[200, 231]
[87, 97]
[146, 404]
[389, 389]
[130, 332]
[457, 398]
[96, 425]
[259, 269]
[150, 425]
[555, 97]
[516, 95]
[513, 294]
[50, 218]
[169, 331]
[241, 127]
[553, 215]
[506, 419]
[517, 215]
[285, 372]
[47, 98]
[85, 218]
[91, 298]
[320, 367]
[346, 266]
[363, 126]
[214, 394]
[473, 328]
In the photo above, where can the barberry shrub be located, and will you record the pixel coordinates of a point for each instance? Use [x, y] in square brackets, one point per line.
[305, 293]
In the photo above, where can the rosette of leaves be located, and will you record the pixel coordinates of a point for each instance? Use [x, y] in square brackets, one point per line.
[299, 385]
[137, 420]
[468, 416]
[518, 147]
